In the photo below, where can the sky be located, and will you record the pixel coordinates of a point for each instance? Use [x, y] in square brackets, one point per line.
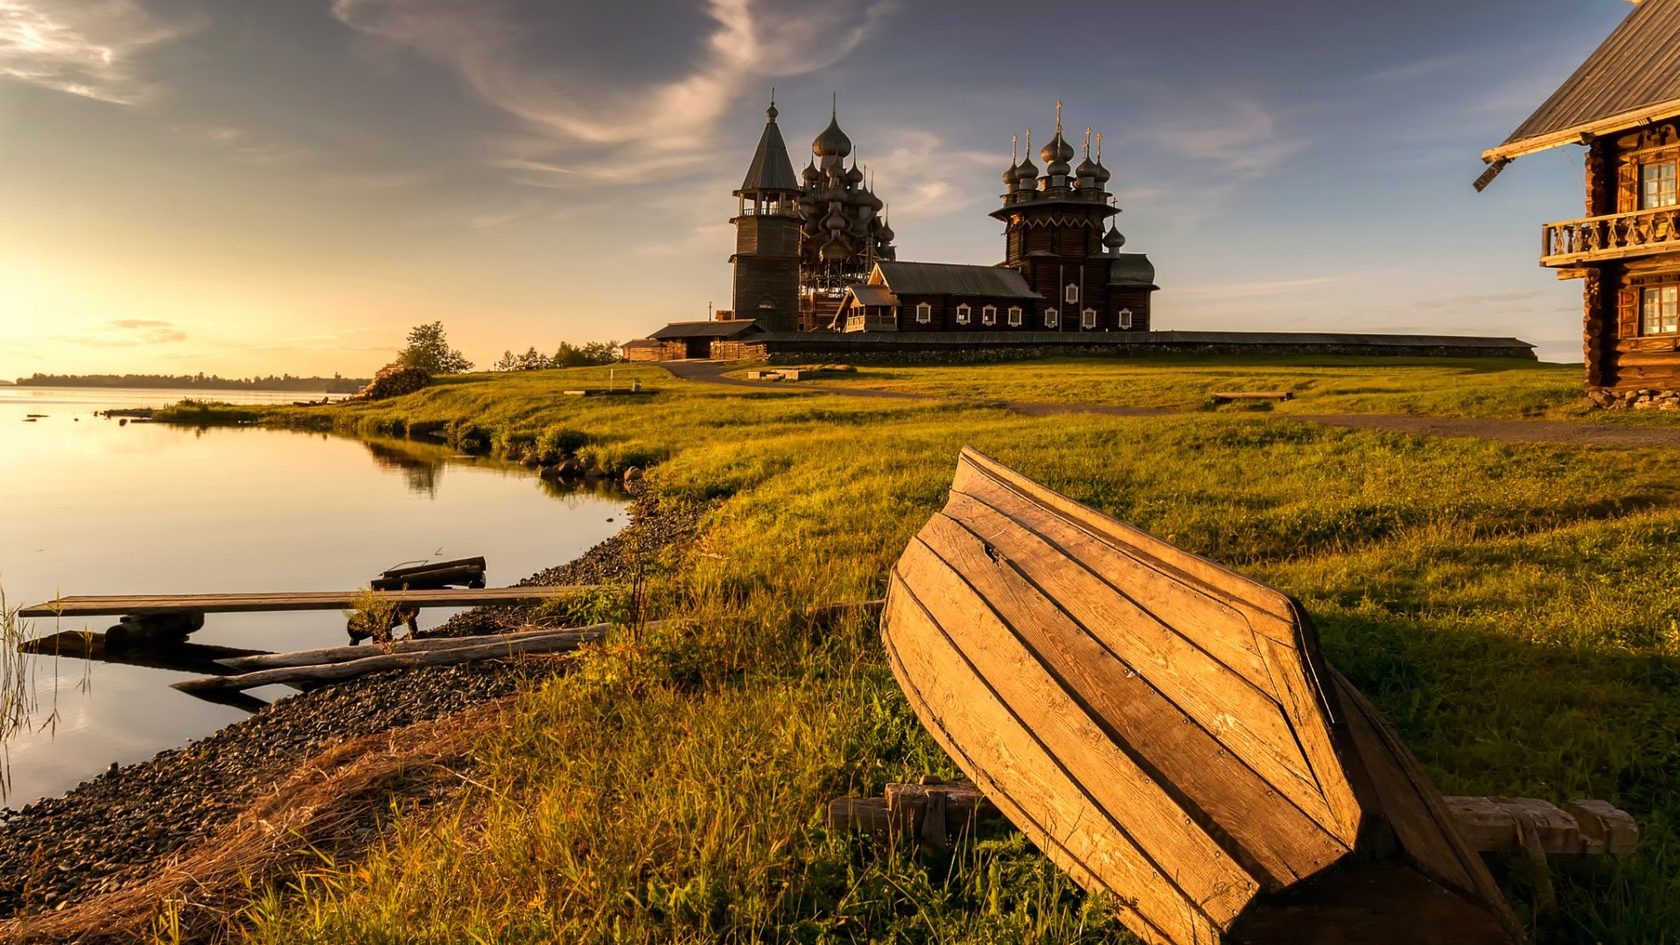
[276, 186]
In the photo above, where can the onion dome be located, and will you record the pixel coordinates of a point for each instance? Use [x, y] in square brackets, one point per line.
[885, 234]
[853, 175]
[1102, 173]
[835, 221]
[1086, 169]
[873, 201]
[835, 251]
[810, 174]
[1058, 151]
[1113, 239]
[832, 142]
[1026, 172]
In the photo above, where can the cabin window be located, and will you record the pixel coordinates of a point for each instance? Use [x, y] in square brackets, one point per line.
[924, 313]
[988, 315]
[963, 311]
[1052, 318]
[1660, 311]
[1072, 293]
[1657, 186]
[1015, 315]
[1088, 318]
[1125, 318]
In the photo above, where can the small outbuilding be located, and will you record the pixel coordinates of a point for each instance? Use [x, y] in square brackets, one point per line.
[696, 338]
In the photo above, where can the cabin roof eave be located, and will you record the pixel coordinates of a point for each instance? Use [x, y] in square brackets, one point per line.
[1581, 133]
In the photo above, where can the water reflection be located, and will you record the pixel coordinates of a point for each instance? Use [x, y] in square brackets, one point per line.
[420, 471]
[91, 506]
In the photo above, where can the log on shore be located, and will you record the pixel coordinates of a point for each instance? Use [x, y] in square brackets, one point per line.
[335, 672]
[341, 654]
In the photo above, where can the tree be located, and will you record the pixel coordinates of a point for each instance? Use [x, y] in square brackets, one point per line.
[428, 349]
[531, 360]
[586, 354]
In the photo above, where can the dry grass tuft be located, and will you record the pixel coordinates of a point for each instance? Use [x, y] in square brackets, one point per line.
[198, 894]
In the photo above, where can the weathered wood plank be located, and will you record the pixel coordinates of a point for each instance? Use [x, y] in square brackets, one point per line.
[1231, 704]
[175, 656]
[1164, 729]
[1226, 396]
[1053, 812]
[350, 669]
[94, 605]
[340, 654]
[1280, 840]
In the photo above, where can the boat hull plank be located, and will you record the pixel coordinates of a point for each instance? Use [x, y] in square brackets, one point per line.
[1164, 730]
[1138, 722]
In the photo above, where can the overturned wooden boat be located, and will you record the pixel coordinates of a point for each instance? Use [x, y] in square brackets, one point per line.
[1165, 730]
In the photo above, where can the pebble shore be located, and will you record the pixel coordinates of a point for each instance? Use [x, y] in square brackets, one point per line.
[112, 829]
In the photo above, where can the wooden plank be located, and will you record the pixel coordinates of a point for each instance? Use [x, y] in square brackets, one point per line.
[1392, 782]
[1183, 584]
[1052, 810]
[350, 669]
[1242, 709]
[1225, 796]
[89, 605]
[340, 654]
[1225, 396]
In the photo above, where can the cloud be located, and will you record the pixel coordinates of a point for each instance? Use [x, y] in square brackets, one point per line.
[88, 49]
[921, 176]
[246, 145]
[1481, 299]
[1241, 138]
[573, 104]
[133, 333]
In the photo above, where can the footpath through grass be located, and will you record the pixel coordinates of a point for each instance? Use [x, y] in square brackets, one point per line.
[1512, 608]
[1439, 387]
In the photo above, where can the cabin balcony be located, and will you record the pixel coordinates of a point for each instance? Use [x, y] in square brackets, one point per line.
[1615, 236]
[871, 321]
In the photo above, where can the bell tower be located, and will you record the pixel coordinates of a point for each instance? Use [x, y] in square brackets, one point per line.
[767, 223]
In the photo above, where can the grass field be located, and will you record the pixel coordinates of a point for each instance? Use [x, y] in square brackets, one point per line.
[1512, 608]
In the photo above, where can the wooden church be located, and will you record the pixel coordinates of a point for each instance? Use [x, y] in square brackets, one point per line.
[814, 251]
[1623, 104]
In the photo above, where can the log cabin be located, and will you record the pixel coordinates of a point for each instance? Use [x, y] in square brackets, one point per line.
[1623, 104]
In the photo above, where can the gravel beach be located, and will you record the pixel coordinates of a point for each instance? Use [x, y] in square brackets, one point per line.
[111, 829]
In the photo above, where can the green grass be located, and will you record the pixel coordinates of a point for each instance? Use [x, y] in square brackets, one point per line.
[1488, 387]
[1512, 608]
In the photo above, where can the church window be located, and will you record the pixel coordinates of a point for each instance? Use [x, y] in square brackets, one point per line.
[1015, 316]
[1660, 311]
[1073, 293]
[1657, 186]
[988, 315]
[1125, 318]
[963, 311]
[924, 313]
[1088, 318]
[1052, 318]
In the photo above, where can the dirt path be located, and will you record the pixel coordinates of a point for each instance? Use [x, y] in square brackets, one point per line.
[1509, 431]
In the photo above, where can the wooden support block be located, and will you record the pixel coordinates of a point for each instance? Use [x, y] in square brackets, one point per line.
[1611, 829]
[933, 814]
[1499, 825]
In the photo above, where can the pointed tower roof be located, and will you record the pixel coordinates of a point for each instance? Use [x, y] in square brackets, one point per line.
[771, 169]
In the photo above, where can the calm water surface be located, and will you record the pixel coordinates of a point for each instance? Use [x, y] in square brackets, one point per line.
[92, 506]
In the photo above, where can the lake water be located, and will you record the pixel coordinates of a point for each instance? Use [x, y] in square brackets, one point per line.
[89, 505]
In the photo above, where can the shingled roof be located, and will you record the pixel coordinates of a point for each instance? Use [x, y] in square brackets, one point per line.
[712, 329]
[1633, 77]
[914, 278]
[770, 168]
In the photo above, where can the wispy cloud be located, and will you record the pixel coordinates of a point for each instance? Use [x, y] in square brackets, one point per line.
[574, 111]
[90, 49]
[248, 146]
[1240, 137]
[133, 333]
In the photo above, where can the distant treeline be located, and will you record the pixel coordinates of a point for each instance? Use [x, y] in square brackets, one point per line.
[325, 385]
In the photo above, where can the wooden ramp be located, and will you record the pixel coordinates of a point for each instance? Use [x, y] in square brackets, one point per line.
[138, 605]
[1164, 729]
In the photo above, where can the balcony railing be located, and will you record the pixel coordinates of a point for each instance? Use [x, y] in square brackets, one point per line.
[1617, 236]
